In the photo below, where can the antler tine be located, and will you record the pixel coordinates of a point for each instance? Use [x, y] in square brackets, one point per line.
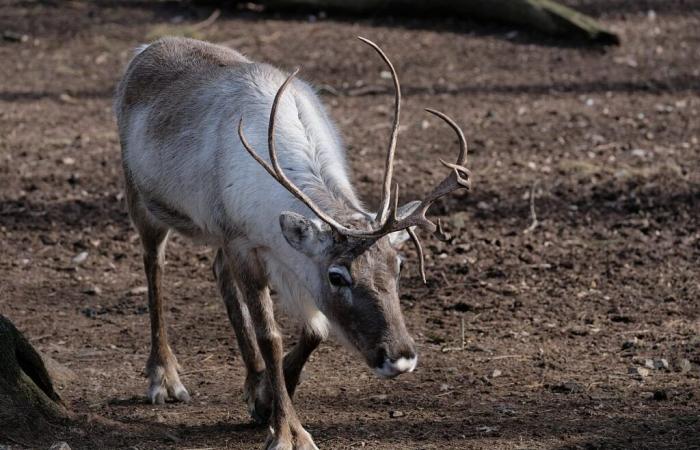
[383, 212]
[276, 171]
[458, 178]
[419, 249]
[462, 158]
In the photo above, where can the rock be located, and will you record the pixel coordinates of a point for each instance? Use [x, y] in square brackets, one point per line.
[661, 364]
[630, 343]
[59, 446]
[92, 290]
[568, 387]
[578, 330]
[11, 36]
[89, 312]
[638, 372]
[140, 290]
[48, 239]
[649, 364]
[495, 373]
[80, 258]
[639, 153]
[683, 366]
[660, 394]
[396, 414]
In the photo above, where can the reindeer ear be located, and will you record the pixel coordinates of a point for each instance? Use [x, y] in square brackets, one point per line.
[304, 235]
[397, 238]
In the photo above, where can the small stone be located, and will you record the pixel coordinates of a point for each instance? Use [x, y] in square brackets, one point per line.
[569, 387]
[396, 414]
[139, 290]
[495, 373]
[92, 290]
[68, 161]
[683, 366]
[630, 343]
[66, 98]
[80, 258]
[649, 364]
[60, 446]
[660, 394]
[638, 372]
[661, 364]
[578, 330]
[11, 36]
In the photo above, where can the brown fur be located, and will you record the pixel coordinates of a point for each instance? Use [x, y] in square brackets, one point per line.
[170, 66]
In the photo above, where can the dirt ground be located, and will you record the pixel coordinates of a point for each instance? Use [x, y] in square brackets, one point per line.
[554, 319]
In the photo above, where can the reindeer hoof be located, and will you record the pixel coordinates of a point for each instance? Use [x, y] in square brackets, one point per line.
[157, 395]
[165, 383]
[257, 396]
[261, 413]
[179, 393]
[304, 441]
[278, 444]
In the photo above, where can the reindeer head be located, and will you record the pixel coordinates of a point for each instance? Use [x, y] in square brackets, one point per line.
[357, 263]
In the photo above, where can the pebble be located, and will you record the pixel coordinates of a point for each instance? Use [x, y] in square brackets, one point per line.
[396, 414]
[80, 258]
[578, 330]
[139, 290]
[92, 290]
[661, 364]
[638, 372]
[630, 343]
[569, 387]
[649, 364]
[683, 365]
[60, 446]
[495, 373]
[11, 36]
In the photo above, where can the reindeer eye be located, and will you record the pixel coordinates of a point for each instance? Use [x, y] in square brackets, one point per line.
[339, 276]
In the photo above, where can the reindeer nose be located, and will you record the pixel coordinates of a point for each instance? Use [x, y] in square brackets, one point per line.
[391, 367]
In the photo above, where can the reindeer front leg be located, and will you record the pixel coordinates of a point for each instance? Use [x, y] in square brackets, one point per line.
[285, 427]
[295, 360]
[257, 390]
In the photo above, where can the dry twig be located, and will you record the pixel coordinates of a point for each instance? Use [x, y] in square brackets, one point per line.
[533, 214]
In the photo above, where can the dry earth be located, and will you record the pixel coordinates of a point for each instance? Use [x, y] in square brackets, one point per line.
[608, 138]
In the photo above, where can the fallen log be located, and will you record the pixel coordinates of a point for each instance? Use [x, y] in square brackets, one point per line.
[546, 16]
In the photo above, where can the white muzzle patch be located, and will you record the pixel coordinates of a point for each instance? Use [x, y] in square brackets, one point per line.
[391, 368]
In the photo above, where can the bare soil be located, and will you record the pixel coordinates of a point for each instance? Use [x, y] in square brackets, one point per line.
[606, 138]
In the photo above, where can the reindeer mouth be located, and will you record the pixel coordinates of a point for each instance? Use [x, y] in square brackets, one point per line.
[393, 368]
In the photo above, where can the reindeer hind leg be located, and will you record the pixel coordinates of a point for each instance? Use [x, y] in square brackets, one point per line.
[162, 366]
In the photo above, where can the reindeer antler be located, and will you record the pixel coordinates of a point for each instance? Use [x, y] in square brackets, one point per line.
[387, 220]
[389, 164]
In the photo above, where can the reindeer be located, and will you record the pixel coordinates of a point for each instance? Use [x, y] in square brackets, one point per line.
[301, 229]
